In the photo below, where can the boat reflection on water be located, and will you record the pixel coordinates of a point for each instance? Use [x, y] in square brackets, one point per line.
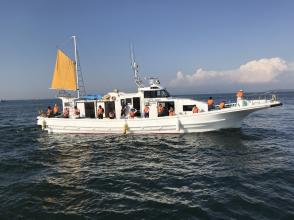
[78, 157]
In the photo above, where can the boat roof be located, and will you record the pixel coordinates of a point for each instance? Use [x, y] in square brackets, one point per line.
[151, 88]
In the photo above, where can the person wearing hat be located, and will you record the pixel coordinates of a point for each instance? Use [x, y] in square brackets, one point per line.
[240, 94]
[240, 97]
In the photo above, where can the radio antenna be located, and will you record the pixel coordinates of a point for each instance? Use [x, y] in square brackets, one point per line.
[135, 67]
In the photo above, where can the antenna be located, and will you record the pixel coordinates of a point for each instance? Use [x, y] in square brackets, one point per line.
[80, 81]
[135, 67]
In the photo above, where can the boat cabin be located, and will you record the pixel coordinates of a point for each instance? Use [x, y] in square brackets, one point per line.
[120, 104]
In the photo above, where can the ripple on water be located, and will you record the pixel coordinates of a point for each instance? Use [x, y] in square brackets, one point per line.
[242, 173]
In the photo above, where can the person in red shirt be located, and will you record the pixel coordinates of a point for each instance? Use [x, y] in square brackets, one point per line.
[146, 111]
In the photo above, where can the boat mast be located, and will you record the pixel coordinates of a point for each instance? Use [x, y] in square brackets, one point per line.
[76, 62]
[79, 75]
[135, 68]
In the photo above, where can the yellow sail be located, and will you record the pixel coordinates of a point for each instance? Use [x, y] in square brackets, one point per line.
[64, 77]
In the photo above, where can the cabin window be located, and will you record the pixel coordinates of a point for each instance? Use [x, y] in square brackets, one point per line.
[67, 104]
[187, 108]
[164, 93]
[166, 106]
[149, 94]
[156, 94]
[124, 102]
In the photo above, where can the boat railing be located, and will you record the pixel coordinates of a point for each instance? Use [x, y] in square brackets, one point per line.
[256, 98]
[229, 105]
[264, 97]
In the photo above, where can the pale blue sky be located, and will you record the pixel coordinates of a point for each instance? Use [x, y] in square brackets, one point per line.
[169, 36]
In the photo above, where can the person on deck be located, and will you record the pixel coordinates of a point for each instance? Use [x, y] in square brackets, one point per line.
[146, 111]
[160, 110]
[123, 112]
[100, 112]
[171, 111]
[222, 105]
[49, 112]
[240, 98]
[77, 111]
[132, 113]
[210, 103]
[55, 110]
[66, 113]
[195, 109]
[240, 94]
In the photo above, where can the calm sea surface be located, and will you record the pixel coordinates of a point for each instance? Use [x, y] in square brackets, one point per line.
[245, 173]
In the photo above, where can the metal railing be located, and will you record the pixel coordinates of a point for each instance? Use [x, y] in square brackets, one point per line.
[253, 98]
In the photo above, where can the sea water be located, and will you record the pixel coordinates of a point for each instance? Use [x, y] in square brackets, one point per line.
[245, 173]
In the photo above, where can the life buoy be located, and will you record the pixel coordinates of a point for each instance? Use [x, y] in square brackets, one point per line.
[106, 97]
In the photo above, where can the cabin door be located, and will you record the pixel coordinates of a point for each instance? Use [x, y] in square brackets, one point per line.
[89, 110]
[136, 105]
[109, 107]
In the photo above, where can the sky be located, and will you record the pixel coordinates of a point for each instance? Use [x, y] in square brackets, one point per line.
[193, 46]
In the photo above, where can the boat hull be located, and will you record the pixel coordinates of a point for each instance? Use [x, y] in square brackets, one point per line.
[201, 122]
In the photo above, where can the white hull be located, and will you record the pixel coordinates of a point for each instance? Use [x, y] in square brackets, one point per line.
[200, 122]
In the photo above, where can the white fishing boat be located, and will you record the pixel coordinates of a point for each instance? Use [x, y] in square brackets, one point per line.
[125, 112]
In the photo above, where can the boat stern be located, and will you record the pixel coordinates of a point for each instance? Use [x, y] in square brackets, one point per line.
[41, 121]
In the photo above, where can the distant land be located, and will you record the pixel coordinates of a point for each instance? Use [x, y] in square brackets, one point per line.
[284, 90]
